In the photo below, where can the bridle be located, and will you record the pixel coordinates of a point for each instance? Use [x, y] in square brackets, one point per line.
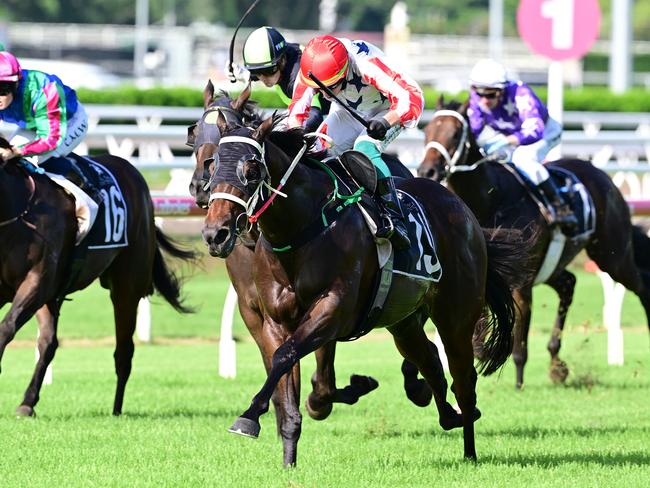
[453, 162]
[209, 134]
[264, 182]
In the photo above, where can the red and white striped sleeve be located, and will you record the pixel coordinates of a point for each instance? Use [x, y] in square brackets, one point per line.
[404, 94]
[300, 104]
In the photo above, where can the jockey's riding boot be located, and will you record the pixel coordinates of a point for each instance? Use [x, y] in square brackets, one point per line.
[77, 176]
[392, 219]
[564, 216]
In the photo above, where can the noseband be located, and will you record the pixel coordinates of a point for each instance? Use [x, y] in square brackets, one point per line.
[461, 151]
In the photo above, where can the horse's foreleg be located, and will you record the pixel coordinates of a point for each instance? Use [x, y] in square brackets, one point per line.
[316, 330]
[564, 285]
[28, 299]
[324, 392]
[286, 396]
[48, 317]
[523, 298]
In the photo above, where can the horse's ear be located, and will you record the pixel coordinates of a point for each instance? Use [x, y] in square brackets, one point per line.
[239, 104]
[222, 124]
[208, 94]
[191, 135]
[441, 102]
[463, 108]
[263, 130]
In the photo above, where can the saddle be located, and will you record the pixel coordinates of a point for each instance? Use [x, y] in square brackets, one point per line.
[575, 194]
[419, 262]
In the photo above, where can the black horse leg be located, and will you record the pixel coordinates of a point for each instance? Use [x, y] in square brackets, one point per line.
[48, 318]
[125, 309]
[457, 339]
[414, 346]
[324, 392]
[286, 395]
[523, 298]
[27, 300]
[564, 284]
[308, 337]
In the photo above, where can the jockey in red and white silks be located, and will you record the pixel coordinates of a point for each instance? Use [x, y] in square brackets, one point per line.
[361, 75]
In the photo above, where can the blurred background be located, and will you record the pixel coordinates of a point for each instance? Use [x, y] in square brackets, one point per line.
[183, 42]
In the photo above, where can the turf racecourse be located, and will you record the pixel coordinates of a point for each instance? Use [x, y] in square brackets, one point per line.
[593, 432]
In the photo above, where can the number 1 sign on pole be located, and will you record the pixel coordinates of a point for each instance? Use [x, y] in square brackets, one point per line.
[559, 30]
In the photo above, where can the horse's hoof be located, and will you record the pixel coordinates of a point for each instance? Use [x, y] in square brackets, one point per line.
[558, 371]
[25, 411]
[421, 395]
[245, 427]
[453, 418]
[365, 383]
[316, 409]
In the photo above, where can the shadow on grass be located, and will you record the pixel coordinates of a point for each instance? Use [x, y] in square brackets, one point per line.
[171, 414]
[633, 458]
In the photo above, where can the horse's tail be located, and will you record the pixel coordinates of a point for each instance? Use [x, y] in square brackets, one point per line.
[165, 281]
[641, 246]
[508, 268]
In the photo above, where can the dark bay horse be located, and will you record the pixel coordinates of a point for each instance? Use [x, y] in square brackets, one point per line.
[318, 292]
[204, 137]
[498, 199]
[37, 242]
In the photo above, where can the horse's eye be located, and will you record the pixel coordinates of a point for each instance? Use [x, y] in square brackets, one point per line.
[252, 171]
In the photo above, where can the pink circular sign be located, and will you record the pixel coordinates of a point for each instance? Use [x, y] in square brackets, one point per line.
[559, 29]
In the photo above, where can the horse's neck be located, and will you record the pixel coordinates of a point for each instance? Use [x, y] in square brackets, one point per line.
[476, 189]
[14, 194]
[305, 190]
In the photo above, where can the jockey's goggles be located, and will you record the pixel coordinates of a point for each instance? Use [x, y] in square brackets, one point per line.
[270, 71]
[489, 95]
[7, 87]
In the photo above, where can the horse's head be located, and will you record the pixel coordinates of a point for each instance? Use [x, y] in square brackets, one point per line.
[447, 140]
[235, 184]
[204, 136]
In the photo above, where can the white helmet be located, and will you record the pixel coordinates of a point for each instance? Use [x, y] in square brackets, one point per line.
[487, 73]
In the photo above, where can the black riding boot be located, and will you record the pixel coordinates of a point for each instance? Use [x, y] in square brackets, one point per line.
[77, 176]
[564, 216]
[392, 219]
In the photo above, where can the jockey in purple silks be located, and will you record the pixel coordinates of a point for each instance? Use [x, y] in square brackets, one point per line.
[506, 115]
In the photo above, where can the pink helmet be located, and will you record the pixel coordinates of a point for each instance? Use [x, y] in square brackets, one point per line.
[9, 67]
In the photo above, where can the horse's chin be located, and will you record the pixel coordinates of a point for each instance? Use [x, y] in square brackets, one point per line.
[223, 249]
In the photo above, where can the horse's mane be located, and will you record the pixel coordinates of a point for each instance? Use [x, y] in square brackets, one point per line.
[453, 105]
[4, 143]
[291, 140]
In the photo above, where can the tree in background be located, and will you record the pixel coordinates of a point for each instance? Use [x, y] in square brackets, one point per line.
[463, 17]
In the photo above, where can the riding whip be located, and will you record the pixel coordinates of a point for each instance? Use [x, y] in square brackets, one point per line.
[232, 77]
[329, 92]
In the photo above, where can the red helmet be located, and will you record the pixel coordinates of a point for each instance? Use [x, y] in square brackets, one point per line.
[327, 59]
[9, 67]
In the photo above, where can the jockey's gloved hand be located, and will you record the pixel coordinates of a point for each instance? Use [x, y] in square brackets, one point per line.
[498, 144]
[378, 127]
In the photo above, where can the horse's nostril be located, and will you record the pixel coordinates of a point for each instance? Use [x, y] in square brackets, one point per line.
[430, 173]
[221, 235]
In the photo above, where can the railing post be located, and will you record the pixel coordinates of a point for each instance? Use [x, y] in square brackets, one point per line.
[613, 294]
[227, 353]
